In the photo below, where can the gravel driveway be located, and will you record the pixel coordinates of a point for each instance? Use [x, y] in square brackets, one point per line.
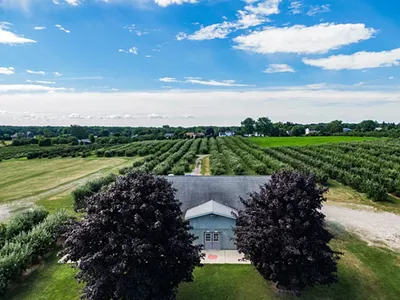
[372, 226]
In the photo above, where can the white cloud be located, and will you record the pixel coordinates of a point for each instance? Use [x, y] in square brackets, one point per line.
[357, 61]
[391, 77]
[75, 116]
[73, 2]
[40, 81]
[318, 9]
[295, 7]
[279, 68]
[7, 71]
[62, 28]
[10, 38]
[180, 36]
[246, 20]
[39, 27]
[168, 79]
[223, 83]
[133, 50]
[215, 31]
[156, 116]
[359, 84]
[28, 88]
[165, 3]
[83, 78]
[266, 8]
[148, 56]
[57, 74]
[36, 72]
[301, 39]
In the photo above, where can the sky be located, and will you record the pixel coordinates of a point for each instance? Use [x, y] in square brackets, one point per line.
[198, 62]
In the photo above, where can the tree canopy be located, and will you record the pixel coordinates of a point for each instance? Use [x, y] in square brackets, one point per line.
[133, 243]
[281, 231]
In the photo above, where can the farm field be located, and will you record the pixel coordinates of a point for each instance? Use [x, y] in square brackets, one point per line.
[365, 273]
[305, 141]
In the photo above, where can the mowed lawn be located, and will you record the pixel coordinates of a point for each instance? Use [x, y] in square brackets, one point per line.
[20, 179]
[365, 273]
[305, 140]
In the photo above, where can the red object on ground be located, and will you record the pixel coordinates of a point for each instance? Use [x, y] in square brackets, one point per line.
[212, 256]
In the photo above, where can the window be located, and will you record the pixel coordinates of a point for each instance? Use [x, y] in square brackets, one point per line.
[216, 237]
[208, 237]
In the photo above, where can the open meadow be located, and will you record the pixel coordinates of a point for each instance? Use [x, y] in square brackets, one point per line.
[305, 140]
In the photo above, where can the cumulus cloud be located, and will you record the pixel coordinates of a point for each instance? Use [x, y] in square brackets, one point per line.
[357, 61]
[214, 31]
[10, 38]
[165, 3]
[156, 116]
[302, 39]
[279, 68]
[223, 83]
[268, 7]
[7, 71]
[39, 27]
[36, 72]
[391, 77]
[318, 9]
[75, 116]
[133, 50]
[57, 74]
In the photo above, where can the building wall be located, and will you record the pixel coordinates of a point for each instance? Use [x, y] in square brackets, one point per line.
[214, 223]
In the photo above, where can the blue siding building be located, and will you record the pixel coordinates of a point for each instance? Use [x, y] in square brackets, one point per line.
[211, 204]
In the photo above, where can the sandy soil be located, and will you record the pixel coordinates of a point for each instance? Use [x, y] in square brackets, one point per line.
[373, 226]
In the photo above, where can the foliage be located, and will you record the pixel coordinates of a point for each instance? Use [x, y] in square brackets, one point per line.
[133, 243]
[91, 187]
[281, 231]
[23, 221]
[17, 255]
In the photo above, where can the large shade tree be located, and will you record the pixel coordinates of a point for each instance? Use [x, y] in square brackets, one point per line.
[281, 231]
[133, 243]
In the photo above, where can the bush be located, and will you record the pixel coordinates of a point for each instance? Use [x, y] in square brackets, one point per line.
[21, 222]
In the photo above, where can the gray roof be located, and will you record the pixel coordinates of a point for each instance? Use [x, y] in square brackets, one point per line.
[196, 190]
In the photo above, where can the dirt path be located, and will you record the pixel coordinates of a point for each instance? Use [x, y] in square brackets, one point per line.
[197, 169]
[373, 226]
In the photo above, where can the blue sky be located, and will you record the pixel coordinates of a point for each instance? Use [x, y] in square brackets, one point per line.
[188, 62]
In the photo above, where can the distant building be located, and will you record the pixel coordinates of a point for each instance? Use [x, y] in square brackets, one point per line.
[226, 133]
[169, 135]
[190, 134]
[347, 130]
[310, 131]
[199, 135]
[85, 142]
[29, 135]
[378, 129]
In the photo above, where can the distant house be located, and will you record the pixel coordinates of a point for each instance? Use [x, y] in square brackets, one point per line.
[378, 129]
[85, 142]
[347, 130]
[199, 135]
[310, 131]
[169, 135]
[190, 134]
[15, 136]
[29, 135]
[226, 133]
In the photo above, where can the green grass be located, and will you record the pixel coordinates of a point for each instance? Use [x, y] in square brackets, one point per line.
[305, 141]
[346, 195]
[20, 179]
[365, 273]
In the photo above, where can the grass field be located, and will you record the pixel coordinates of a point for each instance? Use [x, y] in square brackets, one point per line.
[365, 273]
[20, 179]
[346, 195]
[304, 141]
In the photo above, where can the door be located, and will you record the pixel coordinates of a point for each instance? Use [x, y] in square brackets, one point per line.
[212, 241]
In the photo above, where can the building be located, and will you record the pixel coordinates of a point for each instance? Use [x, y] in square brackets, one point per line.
[169, 135]
[226, 133]
[190, 134]
[309, 131]
[347, 130]
[29, 135]
[85, 142]
[210, 204]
